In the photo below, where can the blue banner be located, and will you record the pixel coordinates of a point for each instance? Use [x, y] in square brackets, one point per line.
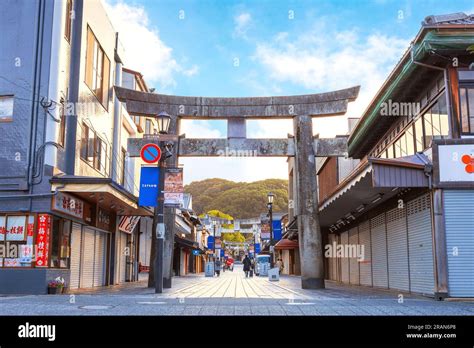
[210, 242]
[149, 179]
[257, 248]
[222, 253]
[276, 229]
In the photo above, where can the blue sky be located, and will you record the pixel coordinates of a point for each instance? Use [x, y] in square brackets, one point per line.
[267, 47]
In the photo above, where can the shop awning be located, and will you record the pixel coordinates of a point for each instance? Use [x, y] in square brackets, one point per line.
[373, 182]
[101, 191]
[186, 243]
[286, 244]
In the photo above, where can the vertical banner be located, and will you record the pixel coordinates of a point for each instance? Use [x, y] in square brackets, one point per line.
[174, 189]
[42, 240]
[257, 248]
[149, 178]
[265, 229]
[276, 229]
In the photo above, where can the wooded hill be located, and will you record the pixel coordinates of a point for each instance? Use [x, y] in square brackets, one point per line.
[241, 200]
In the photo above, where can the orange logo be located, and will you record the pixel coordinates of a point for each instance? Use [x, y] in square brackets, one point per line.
[468, 160]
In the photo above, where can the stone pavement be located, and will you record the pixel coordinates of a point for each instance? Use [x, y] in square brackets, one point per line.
[232, 294]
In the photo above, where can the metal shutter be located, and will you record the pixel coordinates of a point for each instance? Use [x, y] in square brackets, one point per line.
[379, 251]
[123, 257]
[397, 240]
[366, 264]
[76, 236]
[100, 252]
[331, 260]
[420, 245]
[87, 266]
[345, 260]
[459, 219]
[354, 259]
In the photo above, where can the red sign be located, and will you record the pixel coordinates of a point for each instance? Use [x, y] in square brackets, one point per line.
[150, 153]
[42, 240]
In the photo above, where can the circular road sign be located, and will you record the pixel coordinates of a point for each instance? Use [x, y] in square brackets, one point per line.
[150, 153]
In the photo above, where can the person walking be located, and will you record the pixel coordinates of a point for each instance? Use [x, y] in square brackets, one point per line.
[218, 266]
[247, 264]
[280, 266]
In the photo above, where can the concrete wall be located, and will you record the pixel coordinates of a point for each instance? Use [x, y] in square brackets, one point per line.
[29, 281]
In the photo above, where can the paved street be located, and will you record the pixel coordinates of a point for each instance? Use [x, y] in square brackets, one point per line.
[231, 294]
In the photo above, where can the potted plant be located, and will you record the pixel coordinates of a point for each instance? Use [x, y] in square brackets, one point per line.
[56, 286]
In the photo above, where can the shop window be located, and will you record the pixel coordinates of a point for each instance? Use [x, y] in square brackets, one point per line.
[60, 243]
[467, 110]
[16, 240]
[6, 108]
[410, 138]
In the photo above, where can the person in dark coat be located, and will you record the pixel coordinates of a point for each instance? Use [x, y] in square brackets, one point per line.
[247, 264]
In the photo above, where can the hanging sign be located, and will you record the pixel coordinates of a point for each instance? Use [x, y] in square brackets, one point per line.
[174, 189]
[42, 240]
[127, 223]
[150, 153]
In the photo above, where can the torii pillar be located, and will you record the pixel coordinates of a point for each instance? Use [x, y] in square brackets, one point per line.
[309, 231]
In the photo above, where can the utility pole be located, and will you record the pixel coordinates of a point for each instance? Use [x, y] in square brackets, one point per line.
[158, 222]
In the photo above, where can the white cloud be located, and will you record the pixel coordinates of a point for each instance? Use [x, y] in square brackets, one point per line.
[145, 51]
[242, 22]
[330, 61]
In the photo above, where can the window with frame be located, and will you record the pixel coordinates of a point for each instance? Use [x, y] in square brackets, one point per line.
[97, 69]
[68, 21]
[60, 251]
[62, 123]
[94, 150]
[16, 240]
[466, 96]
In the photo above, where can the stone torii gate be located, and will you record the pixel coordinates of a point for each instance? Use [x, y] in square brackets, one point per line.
[303, 146]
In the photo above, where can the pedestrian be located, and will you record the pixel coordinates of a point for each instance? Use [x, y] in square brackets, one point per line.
[247, 264]
[280, 265]
[218, 265]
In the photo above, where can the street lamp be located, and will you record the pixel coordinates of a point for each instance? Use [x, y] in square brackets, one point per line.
[158, 218]
[270, 197]
[164, 120]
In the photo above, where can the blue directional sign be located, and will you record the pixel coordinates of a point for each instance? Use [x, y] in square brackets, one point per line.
[149, 178]
[257, 247]
[222, 253]
[276, 229]
[210, 242]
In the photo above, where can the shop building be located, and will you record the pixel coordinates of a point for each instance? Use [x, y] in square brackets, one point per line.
[68, 191]
[404, 215]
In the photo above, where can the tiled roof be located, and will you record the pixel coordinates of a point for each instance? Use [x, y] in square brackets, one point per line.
[459, 18]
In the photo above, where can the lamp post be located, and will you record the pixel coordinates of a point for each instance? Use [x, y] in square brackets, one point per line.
[270, 197]
[158, 218]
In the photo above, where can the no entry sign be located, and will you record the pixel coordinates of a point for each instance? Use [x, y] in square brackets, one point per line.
[150, 153]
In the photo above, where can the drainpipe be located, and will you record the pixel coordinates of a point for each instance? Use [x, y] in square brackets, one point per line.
[116, 153]
[74, 81]
[50, 155]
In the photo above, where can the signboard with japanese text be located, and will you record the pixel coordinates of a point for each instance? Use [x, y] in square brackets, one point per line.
[42, 240]
[103, 219]
[174, 189]
[26, 253]
[68, 204]
[3, 227]
[16, 228]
